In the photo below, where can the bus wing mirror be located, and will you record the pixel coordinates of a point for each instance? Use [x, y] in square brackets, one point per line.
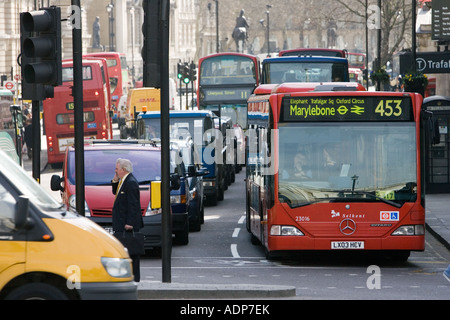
[55, 183]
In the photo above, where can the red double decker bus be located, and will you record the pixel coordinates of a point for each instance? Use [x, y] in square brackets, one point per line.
[59, 110]
[337, 170]
[118, 80]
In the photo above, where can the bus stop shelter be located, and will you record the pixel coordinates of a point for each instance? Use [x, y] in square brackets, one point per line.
[437, 164]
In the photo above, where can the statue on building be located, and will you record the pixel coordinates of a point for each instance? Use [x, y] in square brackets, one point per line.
[240, 31]
[332, 34]
[96, 33]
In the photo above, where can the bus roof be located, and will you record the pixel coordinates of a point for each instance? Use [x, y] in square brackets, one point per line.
[228, 54]
[69, 62]
[178, 114]
[105, 54]
[314, 52]
[308, 86]
[317, 86]
[305, 59]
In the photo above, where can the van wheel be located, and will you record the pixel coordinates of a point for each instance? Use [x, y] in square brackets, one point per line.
[36, 291]
[212, 200]
[221, 194]
[182, 237]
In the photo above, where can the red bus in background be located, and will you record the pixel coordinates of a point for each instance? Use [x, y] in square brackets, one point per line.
[359, 182]
[356, 65]
[59, 110]
[118, 79]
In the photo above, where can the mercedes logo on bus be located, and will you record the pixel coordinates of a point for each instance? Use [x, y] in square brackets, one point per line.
[347, 226]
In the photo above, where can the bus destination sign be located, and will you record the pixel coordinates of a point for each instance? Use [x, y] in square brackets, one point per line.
[347, 108]
[227, 94]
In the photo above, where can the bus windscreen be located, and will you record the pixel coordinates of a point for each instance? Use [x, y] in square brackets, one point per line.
[297, 71]
[228, 70]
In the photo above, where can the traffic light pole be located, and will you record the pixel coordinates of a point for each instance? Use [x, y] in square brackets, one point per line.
[36, 142]
[165, 151]
[77, 93]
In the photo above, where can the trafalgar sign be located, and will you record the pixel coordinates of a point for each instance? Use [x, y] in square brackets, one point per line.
[426, 62]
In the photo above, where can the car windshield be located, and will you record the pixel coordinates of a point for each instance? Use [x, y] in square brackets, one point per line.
[180, 128]
[341, 162]
[100, 165]
[27, 185]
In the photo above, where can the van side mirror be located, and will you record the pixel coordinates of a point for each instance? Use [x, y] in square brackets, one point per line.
[175, 181]
[191, 170]
[202, 172]
[55, 183]
[21, 214]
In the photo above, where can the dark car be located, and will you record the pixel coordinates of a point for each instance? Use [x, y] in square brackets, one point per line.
[189, 154]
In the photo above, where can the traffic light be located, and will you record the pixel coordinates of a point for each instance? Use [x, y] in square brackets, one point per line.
[41, 64]
[186, 74]
[193, 72]
[151, 31]
[179, 70]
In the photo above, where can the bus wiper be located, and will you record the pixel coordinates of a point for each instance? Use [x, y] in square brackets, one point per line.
[303, 204]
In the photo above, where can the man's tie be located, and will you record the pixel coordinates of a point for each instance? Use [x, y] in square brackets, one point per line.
[118, 188]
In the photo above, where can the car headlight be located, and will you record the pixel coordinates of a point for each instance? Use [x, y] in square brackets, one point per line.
[178, 199]
[151, 212]
[116, 267]
[73, 205]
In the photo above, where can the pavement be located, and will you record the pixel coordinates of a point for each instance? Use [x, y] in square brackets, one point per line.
[437, 221]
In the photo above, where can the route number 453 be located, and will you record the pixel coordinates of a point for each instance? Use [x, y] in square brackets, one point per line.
[387, 108]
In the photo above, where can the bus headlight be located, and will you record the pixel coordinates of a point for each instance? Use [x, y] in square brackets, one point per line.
[278, 230]
[116, 267]
[410, 230]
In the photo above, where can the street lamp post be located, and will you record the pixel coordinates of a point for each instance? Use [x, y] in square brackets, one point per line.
[110, 11]
[267, 26]
[217, 26]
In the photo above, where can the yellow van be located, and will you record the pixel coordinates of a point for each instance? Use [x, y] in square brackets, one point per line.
[138, 98]
[47, 252]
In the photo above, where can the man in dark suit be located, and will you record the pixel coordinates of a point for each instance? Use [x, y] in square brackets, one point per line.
[126, 213]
